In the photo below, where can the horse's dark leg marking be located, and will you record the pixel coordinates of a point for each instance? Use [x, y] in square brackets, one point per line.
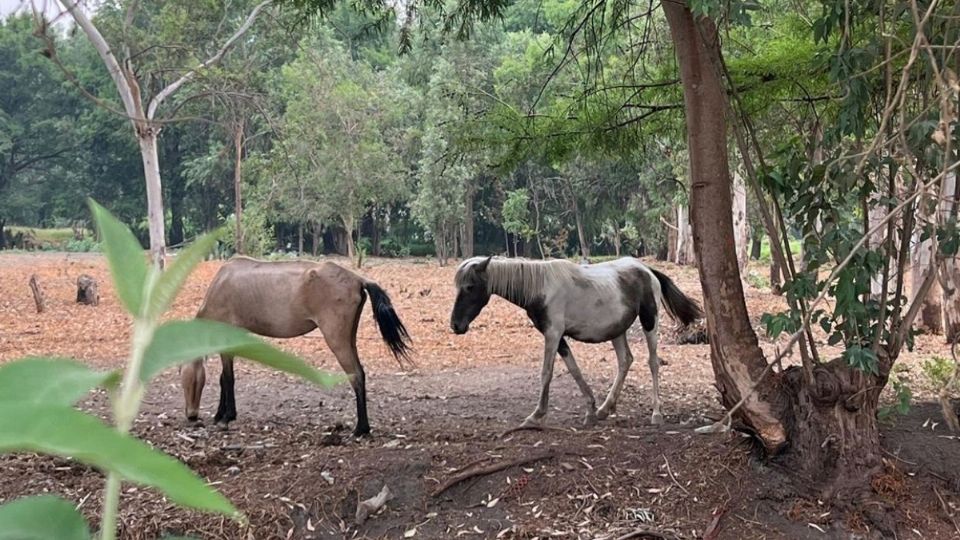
[360, 390]
[227, 410]
[590, 418]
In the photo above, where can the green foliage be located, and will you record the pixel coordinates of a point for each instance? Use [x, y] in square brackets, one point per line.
[902, 395]
[516, 214]
[939, 370]
[36, 395]
[42, 518]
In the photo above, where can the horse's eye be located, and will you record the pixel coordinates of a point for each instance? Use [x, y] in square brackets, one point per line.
[468, 288]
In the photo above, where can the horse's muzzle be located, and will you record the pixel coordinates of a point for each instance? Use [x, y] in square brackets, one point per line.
[459, 329]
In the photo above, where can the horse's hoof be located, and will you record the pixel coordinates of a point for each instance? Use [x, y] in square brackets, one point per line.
[590, 420]
[656, 419]
[602, 414]
[358, 432]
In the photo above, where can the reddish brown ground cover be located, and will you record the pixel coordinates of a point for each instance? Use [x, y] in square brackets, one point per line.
[290, 465]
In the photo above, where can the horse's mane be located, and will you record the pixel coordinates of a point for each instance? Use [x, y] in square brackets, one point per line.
[519, 279]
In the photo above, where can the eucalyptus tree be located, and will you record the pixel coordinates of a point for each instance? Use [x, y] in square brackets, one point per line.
[144, 36]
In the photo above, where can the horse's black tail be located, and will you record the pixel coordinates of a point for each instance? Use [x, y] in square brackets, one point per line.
[391, 328]
[680, 306]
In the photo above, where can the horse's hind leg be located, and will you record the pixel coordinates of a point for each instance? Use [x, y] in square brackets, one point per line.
[624, 361]
[654, 361]
[227, 410]
[590, 418]
[192, 378]
[341, 337]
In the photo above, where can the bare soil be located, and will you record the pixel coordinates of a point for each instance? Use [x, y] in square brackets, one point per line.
[290, 464]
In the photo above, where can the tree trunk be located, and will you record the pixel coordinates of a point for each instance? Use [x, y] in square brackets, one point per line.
[950, 270]
[737, 360]
[930, 318]
[467, 240]
[741, 227]
[3, 235]
[375, 233]
[237, 189]
[349, 226]
[300, 239]
[38, 299]
[581, 235]
[147, 137]
[685, 247]
[756, 245]
[317, 238]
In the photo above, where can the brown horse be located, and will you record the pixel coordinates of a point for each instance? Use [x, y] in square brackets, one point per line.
[289, 299]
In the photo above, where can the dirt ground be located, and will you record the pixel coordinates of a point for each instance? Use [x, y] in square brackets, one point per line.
[290, 464]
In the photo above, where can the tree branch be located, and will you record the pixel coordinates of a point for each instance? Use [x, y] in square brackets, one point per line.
[187, 77]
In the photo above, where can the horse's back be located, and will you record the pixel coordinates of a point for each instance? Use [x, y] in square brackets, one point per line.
[273, 298]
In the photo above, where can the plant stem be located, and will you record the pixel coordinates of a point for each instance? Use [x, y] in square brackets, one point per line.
[125, 409]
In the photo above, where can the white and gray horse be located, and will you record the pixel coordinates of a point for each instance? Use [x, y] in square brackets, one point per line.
[589, 303]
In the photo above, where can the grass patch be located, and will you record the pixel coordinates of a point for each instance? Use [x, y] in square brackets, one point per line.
[795, 248]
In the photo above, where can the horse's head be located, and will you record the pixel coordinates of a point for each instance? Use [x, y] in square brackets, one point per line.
[473, 293]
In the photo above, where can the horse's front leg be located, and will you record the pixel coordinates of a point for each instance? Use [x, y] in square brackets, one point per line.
[590, 418]
[227, 409]
[624, 360]
[551, 341]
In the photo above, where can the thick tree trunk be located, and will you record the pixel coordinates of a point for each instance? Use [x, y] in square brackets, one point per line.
[930, 318]
[738, 362]
[147, 137]
[741, 227]
[237, 189]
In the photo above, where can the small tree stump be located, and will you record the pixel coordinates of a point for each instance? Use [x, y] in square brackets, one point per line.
[87, 291]
[37, 293]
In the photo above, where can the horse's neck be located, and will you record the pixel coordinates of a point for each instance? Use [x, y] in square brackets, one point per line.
[518, 288]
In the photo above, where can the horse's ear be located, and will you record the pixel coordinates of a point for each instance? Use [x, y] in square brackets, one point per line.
[482, 265]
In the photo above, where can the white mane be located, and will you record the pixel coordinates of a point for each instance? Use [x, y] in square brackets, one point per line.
[521, 280]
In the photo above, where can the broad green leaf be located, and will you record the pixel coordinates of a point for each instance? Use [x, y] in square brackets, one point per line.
[42, 518]
[168, 285]
[178, 342]
[128, 266]
[54, 381]
[64, 431]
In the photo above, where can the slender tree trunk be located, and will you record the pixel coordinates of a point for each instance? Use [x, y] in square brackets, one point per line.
[950, 269]
[581, 235]
[685, 247]
[756, 245]
[348, 226]
[317, 238]
[930, 318]
[147, 137]
[467, 239]
[738, 362]
[237, 188]
[300, 239]
[740, 225]
[3, 235]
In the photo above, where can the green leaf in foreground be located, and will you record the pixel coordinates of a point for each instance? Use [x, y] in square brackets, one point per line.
[54, 381]
[178, 342]
[42, 518]
[128, 266]
[170, 281]
[63, 431]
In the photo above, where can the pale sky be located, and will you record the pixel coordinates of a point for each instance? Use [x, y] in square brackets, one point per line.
[51, 7]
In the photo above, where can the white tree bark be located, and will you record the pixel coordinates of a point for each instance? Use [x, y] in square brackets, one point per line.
[145, 127]
[684, 254]
[950, 270]
[930, 317]
[741, 229]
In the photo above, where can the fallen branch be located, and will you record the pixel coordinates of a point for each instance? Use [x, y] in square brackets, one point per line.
[648, 533]
[371, 506]
[489, 469]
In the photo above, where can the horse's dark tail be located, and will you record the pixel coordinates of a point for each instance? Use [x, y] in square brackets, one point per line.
[680, 306]
[391, 328]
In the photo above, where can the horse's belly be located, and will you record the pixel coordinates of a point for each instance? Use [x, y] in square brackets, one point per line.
[599, 329]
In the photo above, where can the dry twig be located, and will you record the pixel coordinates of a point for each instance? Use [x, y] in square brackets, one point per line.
[489, 469]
